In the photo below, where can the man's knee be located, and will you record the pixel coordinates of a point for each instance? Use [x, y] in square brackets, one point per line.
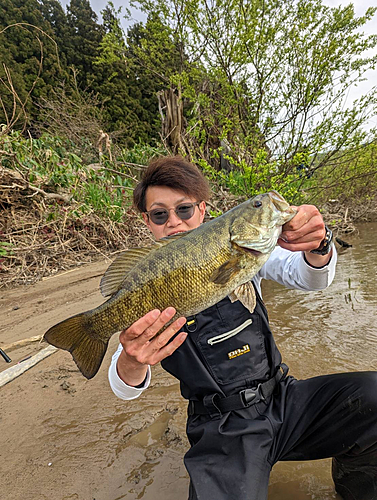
[355, 482]
[368, 390]
[362, 395]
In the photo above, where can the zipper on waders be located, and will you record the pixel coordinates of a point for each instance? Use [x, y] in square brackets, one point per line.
[231, 333]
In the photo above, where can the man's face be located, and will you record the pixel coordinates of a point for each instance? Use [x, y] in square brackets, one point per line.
[166, 198]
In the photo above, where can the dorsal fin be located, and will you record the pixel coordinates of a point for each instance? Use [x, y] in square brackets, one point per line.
[115, 274]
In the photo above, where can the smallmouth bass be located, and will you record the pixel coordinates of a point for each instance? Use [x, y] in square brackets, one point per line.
[190, 271]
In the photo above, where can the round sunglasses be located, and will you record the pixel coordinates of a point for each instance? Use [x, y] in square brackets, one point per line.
[184, 211]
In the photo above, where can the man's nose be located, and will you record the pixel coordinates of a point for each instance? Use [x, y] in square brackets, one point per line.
[173, 219]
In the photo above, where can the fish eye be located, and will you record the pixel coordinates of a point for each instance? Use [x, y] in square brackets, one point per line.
[257, 204]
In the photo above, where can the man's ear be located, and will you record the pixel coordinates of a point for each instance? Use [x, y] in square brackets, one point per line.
[146, 220]
[202, 210]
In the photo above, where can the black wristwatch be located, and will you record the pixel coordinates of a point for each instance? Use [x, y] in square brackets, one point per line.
[325, 246]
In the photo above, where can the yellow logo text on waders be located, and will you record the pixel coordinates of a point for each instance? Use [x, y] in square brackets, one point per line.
[238, 352]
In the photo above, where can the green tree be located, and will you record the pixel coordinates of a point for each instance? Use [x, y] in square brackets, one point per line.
[29, 62]
[85, 35]
[276, 77]
[133, 69]
[54, 14]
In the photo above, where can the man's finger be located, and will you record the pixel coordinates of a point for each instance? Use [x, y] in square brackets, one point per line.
[301, 236]
[161, 340]
[299, 246]
[169, 348]
[305, 213]
[148, 326]
[166, 316]
[139, 327]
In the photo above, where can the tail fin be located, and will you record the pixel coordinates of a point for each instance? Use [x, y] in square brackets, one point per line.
[74, 335]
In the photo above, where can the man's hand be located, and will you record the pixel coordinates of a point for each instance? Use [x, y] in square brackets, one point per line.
[305, 232]
[142, 346]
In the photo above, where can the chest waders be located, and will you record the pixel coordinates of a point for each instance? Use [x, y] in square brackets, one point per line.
[245, 414]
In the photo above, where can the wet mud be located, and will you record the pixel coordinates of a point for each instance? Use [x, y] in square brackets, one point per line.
[66, 438]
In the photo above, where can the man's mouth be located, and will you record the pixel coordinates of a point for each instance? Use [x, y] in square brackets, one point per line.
[176, 232]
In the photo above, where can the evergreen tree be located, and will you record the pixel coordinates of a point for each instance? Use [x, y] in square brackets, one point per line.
[29, 54]
[85, 35]
[54, 14]
[146, 64]
[127, 87]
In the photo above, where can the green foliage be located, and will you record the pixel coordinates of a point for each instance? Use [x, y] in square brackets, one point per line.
[140, 154]
[126, 82]
[349, 175]
[5, 249]
[50, 165]
[270, 77]
[81, 46]
[246, 180]
[262, 85]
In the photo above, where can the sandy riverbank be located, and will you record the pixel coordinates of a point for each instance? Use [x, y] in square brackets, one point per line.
[63, 437]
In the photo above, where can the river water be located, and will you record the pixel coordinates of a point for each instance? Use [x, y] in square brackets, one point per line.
[318, 333]
[331, 331]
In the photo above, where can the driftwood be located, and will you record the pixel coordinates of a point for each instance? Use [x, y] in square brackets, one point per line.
[52, 196]
[17, 370]
[21, 343]
[104, 138]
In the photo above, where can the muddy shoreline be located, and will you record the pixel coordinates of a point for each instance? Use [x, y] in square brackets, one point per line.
[64, 437]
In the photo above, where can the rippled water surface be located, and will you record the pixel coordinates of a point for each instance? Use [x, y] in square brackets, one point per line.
[333, 330]
[326, 332]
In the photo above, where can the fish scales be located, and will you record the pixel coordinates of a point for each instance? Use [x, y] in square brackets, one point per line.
[190, 271]
[185, 286]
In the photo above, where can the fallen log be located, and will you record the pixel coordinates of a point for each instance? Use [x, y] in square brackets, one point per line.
[17, 370]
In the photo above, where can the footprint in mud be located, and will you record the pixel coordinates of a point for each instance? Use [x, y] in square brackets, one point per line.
[67, 386]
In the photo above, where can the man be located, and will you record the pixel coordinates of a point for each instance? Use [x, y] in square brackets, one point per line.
[245, 414]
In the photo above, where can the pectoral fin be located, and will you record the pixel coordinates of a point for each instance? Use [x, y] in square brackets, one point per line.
[225, 272]
[246, 295]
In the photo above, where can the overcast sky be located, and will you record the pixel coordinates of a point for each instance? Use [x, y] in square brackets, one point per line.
[359, 5]
[360, 8]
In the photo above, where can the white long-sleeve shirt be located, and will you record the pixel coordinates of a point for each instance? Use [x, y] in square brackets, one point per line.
[287, 268]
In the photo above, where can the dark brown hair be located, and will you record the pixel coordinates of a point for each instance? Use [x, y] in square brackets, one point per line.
[174, 172]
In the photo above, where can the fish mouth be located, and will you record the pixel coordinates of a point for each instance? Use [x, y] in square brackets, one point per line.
[252, 251]
[246, 248]
[284, 211]
[279, 202]
[264, 246]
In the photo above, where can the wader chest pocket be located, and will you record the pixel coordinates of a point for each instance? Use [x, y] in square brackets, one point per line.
[236, 354]
[231, 333]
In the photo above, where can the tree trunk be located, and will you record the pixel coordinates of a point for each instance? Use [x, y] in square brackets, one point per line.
[171, 111]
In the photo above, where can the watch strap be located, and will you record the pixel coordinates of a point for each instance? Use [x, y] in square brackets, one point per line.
[325, 245]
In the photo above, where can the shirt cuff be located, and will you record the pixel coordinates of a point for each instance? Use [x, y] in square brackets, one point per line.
[120, 388]
[318, 278]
